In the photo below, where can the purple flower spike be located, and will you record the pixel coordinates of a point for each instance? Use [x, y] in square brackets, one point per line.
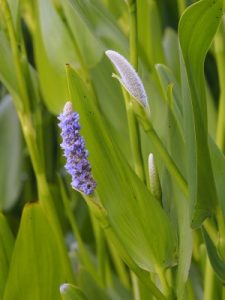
[76, 155]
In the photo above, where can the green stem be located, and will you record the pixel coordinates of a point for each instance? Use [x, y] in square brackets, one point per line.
[101, 248]
[133, 126]
[209, 281]
[163, 281]
[135, 286]
[135, 140]
[132, 7]
[82, 250]
[171, 166]
[24, 105]
[181, 6]
[220, 60]
[119, 265]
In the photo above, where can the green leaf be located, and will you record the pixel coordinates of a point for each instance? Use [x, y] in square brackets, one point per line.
[71, 292]
[82, 34]
[7, 70]
[6, 249]
[88, 284]
[175, 202]
[101, 24]
[218, 164]
[114, 108]
[36, 270]
[132, 211]
[197, 28]
[171, 50]
[217, 264]
[10, 154]
[150, 32]
[53, 49]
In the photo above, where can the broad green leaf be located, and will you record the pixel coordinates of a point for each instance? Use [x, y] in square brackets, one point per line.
[112, 104]
[7, 70]
[6, 249]
[10, 154]
[71, 292]
[101, 24]
[217, 264]
[82, 34]
[132, 211]
[14, 7]
[53, 49]
[197, 28]
[36, 269]
[171, 50]
[175, 201]
[150, 32]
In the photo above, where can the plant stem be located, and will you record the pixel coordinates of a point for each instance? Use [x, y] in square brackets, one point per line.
[135, 286]
[132, 7]
[119, 265]
[133, 126]
[163, 281]
[220, 60]
[101, 248]
[172, 168]
[82, 250]
[209, 281]
[181, 6]
[134, 138]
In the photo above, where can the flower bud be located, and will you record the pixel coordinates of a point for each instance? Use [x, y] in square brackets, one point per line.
[129, 77]
[155, 186]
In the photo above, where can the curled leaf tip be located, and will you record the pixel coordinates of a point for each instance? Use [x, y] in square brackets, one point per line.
[129, 77]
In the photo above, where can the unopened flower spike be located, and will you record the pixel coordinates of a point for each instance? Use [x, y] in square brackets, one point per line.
[129, 77]
[75, 152]
[155, 186]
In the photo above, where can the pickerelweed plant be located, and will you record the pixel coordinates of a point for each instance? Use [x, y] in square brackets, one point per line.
[112, 189]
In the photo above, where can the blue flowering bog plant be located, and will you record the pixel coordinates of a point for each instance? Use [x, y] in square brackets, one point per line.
[76, 155]
[142, 213]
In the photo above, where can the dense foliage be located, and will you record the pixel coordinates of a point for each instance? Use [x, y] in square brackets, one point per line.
[133, 205]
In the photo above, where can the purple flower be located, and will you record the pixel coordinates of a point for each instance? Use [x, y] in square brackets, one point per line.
[76, 155]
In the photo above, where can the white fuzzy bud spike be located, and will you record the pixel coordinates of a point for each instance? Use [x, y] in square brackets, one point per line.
[154, 178]
[129, 77]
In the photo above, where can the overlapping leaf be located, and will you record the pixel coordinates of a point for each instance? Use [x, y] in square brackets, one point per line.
[197, 28]
[133, 213]
[36, 270]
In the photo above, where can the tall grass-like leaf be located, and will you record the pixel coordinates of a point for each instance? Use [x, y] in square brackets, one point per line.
[197, 28]
[100, 23]
[10, 154]
[7, 74]
[177, 203]
[216, 262]
[132, 212]
[6, 249]
[53, 48]
[36, 269]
